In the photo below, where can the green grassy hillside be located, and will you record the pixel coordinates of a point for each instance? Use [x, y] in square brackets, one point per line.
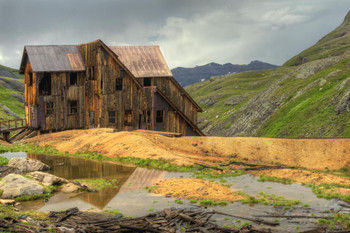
[309, 96]
[11, 93]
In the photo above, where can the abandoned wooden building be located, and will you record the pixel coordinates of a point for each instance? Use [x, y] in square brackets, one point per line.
[95, 85]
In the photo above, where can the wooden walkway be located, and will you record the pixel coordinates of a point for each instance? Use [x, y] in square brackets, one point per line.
[11, 125]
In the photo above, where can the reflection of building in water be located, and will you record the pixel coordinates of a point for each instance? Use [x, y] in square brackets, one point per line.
[141, 178]
[80, 168]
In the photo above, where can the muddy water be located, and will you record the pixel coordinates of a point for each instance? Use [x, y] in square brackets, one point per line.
[131, 199]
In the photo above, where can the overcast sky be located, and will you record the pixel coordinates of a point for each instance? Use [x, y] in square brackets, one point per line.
[190, 32]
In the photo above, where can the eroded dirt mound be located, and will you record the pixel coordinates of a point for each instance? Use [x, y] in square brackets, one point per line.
[309, 153]
[188, 188]
[302, 176]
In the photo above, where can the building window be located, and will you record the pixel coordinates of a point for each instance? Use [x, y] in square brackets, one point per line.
[111, 117]
[45, 85]
[121, 73]
[73, 79]
[119, 84]
[49, 108]
[128, 117]
[147, 82]
[91, 117]
[73, 107]
[146, 116]
[30, 78]
[159, 116]
[91, 73]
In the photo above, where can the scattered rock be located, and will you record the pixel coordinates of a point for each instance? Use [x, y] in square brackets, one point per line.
[47, 179]
[70, 188]
[234, 100]
[5, 170]
[18, 97]
[7, 201]
[218, 87]
[28, 165]
[14, 185]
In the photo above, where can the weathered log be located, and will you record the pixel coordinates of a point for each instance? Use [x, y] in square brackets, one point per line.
[248, 218]
[208, 166]
[68, 213]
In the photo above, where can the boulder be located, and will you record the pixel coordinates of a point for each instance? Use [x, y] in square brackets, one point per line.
[5, 170]
[14, 185]
[70, 188]
[28, 165]
[47, 179]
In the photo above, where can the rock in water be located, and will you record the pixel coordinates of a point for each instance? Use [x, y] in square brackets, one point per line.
[47, 179]
[28, 165]
[14, 185]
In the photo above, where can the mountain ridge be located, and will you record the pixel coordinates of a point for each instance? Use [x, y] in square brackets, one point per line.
[187, 76]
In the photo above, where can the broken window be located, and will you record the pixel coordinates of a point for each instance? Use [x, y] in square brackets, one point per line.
[147, 82]
[159, 116]
[73, 107]
[49, 108]
[45, 85]
[91, 73]
[128, 117]
[73, 79]
[30, 78]
[119, 84]
[91, 117]
[111, 117]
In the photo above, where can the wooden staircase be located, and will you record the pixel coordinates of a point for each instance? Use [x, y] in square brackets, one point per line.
[23, 134]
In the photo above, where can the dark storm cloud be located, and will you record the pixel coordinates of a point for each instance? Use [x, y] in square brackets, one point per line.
[190, 32]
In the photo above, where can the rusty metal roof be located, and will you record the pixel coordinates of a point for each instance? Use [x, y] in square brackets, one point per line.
[55, 58]
[143, 61]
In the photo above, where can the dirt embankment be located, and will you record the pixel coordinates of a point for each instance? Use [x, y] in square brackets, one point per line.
[308, 153]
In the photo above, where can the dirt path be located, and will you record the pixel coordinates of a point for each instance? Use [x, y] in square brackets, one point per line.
[308, 153]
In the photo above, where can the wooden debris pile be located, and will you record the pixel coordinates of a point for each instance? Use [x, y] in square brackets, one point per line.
[168, 220]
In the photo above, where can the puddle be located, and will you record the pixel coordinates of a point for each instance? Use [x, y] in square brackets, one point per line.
[131, 199]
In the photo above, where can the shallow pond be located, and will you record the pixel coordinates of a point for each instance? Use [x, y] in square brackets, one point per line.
[131, 198]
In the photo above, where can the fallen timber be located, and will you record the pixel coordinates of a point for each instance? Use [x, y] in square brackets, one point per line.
[168, 220]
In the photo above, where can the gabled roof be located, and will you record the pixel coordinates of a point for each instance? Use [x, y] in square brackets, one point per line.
[53, 58]
[143, 61]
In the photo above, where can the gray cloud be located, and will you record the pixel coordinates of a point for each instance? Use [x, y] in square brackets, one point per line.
[190, 32]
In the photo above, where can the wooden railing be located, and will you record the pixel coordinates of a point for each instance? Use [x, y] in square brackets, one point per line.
[12, 125]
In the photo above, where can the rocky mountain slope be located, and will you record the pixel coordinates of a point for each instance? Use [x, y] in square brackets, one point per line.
[11, 94]
[309, 96]
[187, 76]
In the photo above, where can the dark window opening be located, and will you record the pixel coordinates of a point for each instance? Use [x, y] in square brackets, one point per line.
[91, 117]
[30, 79]
[147, 82]
[49, 108]
[73, 79]
[73, 107]
[91, 73]
[159, 116]
[101, 84]
[111, 117]
[45, 85]
[128, 117]
[146, 116]
[119, 84]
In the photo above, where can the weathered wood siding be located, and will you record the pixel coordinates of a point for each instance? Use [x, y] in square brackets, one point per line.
[172, 121]
[101, 93]
[182, 102]
[30, 97]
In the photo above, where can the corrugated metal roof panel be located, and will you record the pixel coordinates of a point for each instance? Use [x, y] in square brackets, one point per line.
[55, 58]
[143, 61]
